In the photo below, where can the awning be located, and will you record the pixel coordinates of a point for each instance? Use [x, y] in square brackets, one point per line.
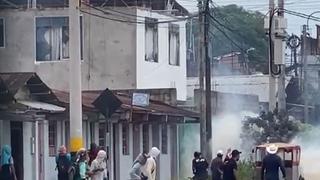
[42, 106]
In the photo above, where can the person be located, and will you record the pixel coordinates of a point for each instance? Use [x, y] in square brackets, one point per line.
[271, 164]
[63, 163]
[135, 172]
[98, 167]
[7, 170]
[199, 167]
[93, 152]
[228, 155]
[80, 165]
[230, 167]
[149, 170]
[217, 166]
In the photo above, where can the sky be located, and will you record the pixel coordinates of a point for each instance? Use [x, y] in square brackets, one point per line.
[294, 23]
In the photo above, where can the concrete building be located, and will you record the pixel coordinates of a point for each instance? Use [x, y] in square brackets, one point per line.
[128, 52]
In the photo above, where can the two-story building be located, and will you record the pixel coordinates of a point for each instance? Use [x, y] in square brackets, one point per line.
[123, 46]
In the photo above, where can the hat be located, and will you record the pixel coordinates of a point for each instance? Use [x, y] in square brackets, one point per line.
[235, 152]
[272, 149]
[220, 152]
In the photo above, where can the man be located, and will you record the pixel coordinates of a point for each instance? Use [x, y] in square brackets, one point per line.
[230, 167]
[216, 166]
[271, 164]
[149, 170]
[199, 167]
[135, 172]
[63, 163]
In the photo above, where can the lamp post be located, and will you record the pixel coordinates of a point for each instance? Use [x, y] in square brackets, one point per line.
[310, 15]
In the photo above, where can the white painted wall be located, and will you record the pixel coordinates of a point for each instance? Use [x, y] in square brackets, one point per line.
[5, 135]
[161, 74]
[28, 157]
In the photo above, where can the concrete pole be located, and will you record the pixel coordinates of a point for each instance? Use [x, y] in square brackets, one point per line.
[272, 80]
[305, 75]
[282, 77]
[76, 141]
[201, 80]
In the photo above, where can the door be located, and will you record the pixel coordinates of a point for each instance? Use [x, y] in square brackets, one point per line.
[17, 147]
[136, 141]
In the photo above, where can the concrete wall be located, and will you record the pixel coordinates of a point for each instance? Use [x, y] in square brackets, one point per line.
[109, 53]
[161, 74]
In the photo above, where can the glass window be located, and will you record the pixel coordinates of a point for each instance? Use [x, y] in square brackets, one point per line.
[151, 40]
[52, 138]
[174, 45]
[125, 139]
[164, 139]
[2, 32]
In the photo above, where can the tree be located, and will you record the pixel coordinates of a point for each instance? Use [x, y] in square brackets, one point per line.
[244, 28]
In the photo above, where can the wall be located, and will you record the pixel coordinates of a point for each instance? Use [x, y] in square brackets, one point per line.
[109, 53]
[161, 74]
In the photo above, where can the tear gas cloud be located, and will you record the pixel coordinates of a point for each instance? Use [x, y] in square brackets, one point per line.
[310, 153]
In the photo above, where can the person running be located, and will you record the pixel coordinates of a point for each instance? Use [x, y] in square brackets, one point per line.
[230, 167]
[149, 170]
[217, 166]
[98, 167]
[271, 164]
[135, 172]
[199, 167]
[63, 163]
[7, 170]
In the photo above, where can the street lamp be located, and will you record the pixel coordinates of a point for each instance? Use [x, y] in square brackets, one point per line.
[315, 12]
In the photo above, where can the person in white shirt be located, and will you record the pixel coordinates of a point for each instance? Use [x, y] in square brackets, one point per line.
[98, 168]
[149, 170]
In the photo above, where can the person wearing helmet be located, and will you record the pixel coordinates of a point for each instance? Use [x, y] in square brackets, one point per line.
[271, 164]
[216, 166]
[149, 170]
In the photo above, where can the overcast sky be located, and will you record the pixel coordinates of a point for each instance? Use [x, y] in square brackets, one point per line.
[294, 23]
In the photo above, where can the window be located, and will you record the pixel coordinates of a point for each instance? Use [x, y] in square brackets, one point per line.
[52, 138]
[151, 40]
[164, 139]
[2, 32]
[145, 137]
[174, 45]
[52, 38]
[125, 139]
[102, 134]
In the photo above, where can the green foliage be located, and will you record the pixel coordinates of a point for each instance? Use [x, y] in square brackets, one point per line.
[245, 170]
[245, 29]
[271, 126]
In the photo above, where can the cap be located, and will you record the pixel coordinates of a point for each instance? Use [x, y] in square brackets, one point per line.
[235, 152]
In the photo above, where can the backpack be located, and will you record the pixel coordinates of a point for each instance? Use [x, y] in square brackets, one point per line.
[63, 165]
[142, 159]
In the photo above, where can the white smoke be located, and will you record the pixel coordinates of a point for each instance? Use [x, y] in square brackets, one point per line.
[310, 149]
[227, 130]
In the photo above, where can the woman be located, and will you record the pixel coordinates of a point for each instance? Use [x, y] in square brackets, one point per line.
[99, 166]
[150, 167]
[81, 165]
[7, 171]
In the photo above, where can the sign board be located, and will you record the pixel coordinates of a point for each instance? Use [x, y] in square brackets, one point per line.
[140, 99]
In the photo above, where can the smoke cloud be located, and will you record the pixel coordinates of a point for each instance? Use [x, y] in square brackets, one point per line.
[310, 148]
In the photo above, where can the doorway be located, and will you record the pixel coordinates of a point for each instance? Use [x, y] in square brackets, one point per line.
[17, 147]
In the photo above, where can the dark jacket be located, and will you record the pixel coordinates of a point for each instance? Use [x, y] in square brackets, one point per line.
[270, 167]
[200, 168]
[217, 168]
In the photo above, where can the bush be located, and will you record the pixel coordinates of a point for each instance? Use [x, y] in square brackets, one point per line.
[245, 170]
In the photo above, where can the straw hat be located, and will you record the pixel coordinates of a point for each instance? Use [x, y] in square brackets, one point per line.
[272, 149]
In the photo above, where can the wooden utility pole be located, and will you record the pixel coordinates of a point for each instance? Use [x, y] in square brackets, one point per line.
[201, 80]
[76, 141]
[208, 81]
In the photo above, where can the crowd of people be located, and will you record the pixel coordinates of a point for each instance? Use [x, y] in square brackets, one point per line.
[224, 167]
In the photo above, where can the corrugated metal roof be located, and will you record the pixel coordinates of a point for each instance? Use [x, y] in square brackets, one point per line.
[155, 107]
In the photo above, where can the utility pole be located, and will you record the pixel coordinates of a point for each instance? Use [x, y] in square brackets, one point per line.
[201, 79]
[281, 58]
[305, 74]
[208, 81]
[272, 80]
[75, 78]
